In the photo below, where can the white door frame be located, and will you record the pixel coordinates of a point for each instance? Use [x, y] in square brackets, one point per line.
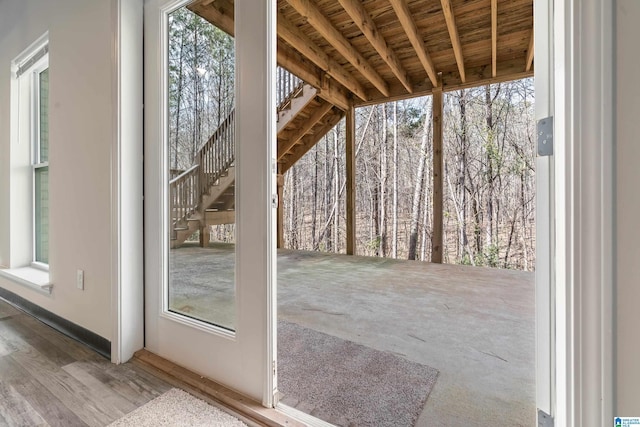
[582, 373]
[242, 360]
[127, 255]
[584, 187]
[545, 223]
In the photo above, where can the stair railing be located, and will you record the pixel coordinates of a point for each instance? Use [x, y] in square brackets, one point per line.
[211, 161]
[288, 86]
[216, 156]
[183, 196]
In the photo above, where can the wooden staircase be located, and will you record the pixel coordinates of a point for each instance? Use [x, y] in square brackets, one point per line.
[204, 194]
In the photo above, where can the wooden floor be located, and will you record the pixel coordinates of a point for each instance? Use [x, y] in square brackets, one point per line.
[49, 379]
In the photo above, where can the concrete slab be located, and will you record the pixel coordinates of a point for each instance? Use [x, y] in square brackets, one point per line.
[475, 325]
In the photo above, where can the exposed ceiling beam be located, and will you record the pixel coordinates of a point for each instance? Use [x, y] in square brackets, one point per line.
[404, 16]
[328, 89]
[303, 44]
[530, 53]
[363, 20]
[317, 20]
[220, 14]
[287, 144]
[494, 37]
[453, 34]
[476, 76]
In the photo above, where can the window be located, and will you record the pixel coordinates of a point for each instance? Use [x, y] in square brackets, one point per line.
[29, 198]
[41, 166]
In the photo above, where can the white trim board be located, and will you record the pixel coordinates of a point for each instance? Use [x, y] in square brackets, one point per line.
[33, 278]
[126, 181]
[583, 57]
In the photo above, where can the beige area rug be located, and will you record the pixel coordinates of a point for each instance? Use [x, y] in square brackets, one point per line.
[348, 384]
[177, 408]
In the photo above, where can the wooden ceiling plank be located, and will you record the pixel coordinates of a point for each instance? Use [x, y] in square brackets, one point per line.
[287, 144]
[494, 37]
[286, 58]
[309, 11]
[329, 90]
[303, 44]
[530, 51]
[363, 20]
[450, 18]
[404, 16]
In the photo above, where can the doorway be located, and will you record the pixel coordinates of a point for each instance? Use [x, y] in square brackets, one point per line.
[551, 381]
[183, 168]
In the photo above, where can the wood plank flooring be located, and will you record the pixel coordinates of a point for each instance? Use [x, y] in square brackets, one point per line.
[48, 379]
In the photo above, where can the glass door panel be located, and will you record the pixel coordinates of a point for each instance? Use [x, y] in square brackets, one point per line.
[201, 169]
[209, 182]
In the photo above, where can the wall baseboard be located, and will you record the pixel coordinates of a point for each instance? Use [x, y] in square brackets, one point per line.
[92, 340]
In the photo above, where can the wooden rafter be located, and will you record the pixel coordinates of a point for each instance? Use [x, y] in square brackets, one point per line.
[494, 38]
[286, 144]
[306, 143]
[530, 53]
[302, 43]
[295, 63]
[476, 76]
[363, 20]
[404, 16]
[450, 18]
[220, 13]
[309, 11]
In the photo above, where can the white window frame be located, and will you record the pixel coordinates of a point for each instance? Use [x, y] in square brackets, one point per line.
[40, 66]
[21, 268]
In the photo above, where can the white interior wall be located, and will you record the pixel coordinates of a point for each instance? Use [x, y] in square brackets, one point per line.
[81, 138]
[627, 208]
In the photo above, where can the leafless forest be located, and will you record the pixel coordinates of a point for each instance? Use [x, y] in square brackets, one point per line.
[489, 163]
[489, 180]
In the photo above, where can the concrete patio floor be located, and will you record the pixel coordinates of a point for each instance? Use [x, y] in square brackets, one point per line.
[475, 325]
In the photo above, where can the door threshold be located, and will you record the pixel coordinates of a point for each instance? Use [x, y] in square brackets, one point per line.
[303, 417]
[239, 405]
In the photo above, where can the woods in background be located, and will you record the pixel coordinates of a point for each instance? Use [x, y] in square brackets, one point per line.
[489, 163]
[489, 176]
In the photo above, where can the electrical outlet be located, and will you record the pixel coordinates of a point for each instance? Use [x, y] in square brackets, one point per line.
[80, 279]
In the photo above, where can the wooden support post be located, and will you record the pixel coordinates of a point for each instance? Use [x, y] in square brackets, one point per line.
[351, 179]
[280, 182]
[438, 207]
[204, 236]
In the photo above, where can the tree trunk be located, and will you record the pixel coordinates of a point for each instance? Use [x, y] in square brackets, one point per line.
[383, 183]
[491, 151]
[293, 203]
[314, 207]
[327, 194]
[394, 233]
[417, 189]
[426, 198]
[463, 172]
[336, 183]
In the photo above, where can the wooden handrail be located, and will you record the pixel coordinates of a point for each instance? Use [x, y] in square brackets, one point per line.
[183, 195]
[216, 156]
[288, 86]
